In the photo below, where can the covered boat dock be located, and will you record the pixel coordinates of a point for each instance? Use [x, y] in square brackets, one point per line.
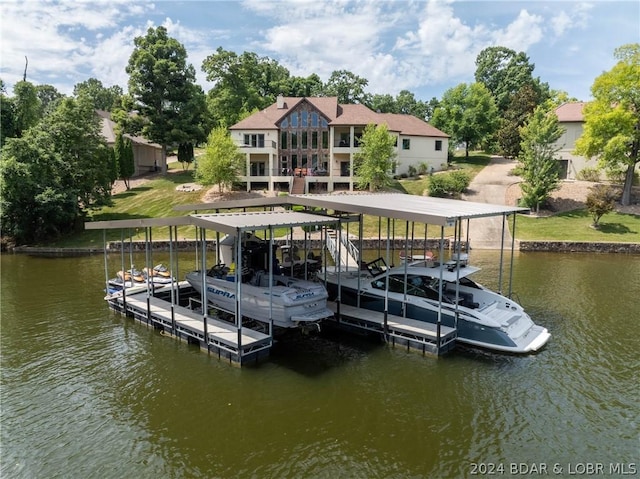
[168, 312]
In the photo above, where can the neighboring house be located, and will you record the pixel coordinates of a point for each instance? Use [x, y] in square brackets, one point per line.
[312, 142]
[147, 156]
[571, 119]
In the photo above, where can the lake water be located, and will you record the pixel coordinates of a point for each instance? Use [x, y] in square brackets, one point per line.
[86, 393]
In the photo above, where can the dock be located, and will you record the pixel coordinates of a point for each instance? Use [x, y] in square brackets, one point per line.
[417, 335]
[222, 338]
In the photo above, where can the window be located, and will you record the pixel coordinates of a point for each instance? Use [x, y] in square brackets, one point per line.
[303, 118]
[294, 161]
[283, 140]
[255, 141]
[314, 140]
[294, 120]
[285, 123]
[314, 120]
[304, 140]
[438, 145]
[325, 139]
[406, 144]
[294, 139]
[258, 169]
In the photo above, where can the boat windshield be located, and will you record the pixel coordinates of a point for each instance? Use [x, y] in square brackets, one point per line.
[416, 285]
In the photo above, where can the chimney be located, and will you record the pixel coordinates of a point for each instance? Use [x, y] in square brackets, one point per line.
[280, 102]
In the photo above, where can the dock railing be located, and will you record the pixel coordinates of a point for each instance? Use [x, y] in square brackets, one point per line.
[349, 253]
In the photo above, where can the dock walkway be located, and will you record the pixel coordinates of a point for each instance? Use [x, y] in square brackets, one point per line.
[412, 333]
[222, 337]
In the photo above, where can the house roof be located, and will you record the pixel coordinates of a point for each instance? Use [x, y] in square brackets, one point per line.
[338, 114]
[410, 125]
[569, 112]
[109, 134]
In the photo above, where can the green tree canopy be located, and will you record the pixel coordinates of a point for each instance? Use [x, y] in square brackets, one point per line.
[375, 160]
[49, 97]
[123, 153]
[538, 157]
[612, 120]
[504, 72]
[521, 106]
[27, 106]
[468, 113]
[347, 86]
[103, 98]
[245, 82]
[162, 86]
[221, 163]
[53, 174]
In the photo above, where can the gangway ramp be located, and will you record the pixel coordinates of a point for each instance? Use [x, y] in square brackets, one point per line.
[339, 245]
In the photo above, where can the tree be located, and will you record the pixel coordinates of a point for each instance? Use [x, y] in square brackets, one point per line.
[162, 86]
[123, 152]
[504, 72]
[185, 155]
[302, 87]
[7, 118]
[521, 106]
[612, 120]
[347, 86]
[245, 82]
[600, 201]
[106, 99]
[49, 97]
[221, 163]
[54, 174]
[538, 157]
[467, 113]
[27, 106]
[375, 160]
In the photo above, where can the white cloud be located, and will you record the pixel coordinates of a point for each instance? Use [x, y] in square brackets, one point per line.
[519, 35]
[60, 39]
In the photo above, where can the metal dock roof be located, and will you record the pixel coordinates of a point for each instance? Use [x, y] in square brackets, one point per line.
[422, 209]
[228, 223]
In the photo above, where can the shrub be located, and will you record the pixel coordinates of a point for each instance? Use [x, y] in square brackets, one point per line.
[589, 174]
[439, 186]
[600, 201]
[423, 168]
[615, 175]
[412, 171]
[459, 181]
[449, 184]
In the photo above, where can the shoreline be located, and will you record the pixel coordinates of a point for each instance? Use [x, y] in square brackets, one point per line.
[528, 246]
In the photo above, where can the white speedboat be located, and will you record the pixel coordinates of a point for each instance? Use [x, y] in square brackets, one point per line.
[486, 319]
[291, 302]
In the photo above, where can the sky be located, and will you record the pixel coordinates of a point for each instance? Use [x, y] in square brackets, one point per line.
[424, 46]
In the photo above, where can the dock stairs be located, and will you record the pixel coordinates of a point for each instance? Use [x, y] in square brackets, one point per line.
[348, 252]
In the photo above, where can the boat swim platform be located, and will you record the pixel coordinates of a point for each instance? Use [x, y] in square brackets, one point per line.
[415, 335]
[221, 339]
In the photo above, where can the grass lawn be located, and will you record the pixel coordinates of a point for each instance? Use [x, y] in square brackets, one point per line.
[158, 197]
[155, 198]
[576, 226]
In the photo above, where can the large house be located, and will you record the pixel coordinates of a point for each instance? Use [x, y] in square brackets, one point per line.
[570, 118]
[147, 156]
[307, 145]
